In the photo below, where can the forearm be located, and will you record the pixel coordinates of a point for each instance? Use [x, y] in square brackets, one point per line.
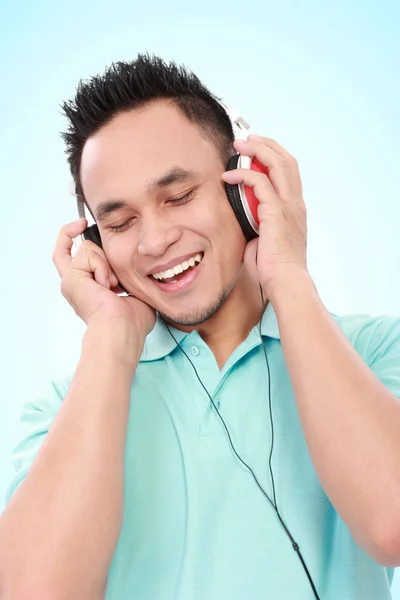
[60, 529]
[351, 422]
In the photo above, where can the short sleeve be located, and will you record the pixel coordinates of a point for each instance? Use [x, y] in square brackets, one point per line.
[383, 352]
[36, 419]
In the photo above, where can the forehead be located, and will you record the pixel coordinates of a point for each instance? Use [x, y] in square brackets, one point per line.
[141, 144]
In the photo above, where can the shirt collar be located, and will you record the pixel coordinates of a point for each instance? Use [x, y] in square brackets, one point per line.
[159, 343]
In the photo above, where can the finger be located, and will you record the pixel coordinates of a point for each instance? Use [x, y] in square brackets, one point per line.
[113, 279]
[294, 165]
[91, 260]
[279, 171]
[62, 250]
[271, 144]
[262, 186]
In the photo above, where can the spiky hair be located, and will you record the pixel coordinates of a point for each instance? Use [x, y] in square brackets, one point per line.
[126, 86]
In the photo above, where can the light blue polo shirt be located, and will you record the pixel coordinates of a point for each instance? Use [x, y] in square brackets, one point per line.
[196, 526]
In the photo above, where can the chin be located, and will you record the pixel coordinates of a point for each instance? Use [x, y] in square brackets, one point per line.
[197, 315]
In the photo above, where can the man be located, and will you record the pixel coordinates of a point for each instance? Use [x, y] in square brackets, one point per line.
[129, 486]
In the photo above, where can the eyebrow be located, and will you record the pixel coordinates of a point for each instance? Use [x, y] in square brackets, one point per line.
[174, 175]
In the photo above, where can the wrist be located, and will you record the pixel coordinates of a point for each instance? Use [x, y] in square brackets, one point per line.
[118, 340]
[297, 286]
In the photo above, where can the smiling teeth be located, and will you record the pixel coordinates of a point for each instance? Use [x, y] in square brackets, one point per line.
[183, 266]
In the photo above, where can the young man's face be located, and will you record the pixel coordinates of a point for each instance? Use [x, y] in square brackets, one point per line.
[164, 178]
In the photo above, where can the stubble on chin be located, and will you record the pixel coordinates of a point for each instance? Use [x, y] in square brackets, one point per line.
[197, 316]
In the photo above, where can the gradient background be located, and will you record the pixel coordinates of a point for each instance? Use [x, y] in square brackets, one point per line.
[320, 78]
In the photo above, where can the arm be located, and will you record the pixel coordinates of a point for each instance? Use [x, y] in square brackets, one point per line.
[351, 421]
[59, 532]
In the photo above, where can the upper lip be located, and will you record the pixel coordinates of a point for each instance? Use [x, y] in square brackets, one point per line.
[171, 263]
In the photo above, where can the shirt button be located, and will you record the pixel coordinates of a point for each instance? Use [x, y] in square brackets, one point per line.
[195, 351]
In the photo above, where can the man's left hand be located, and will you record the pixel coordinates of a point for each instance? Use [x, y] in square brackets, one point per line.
[280, 251]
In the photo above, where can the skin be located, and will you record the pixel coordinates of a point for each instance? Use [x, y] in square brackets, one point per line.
[120, 162]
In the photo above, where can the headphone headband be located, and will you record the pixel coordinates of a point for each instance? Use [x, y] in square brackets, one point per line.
[239, 124]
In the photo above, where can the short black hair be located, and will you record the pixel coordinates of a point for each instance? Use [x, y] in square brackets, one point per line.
[129, 85]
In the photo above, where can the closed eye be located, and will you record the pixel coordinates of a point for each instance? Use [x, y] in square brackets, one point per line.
[174, 201]
[122, 226]
[182, 199]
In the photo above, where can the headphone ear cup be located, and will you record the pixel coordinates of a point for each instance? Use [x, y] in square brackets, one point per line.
[93, 235]
[235, 200]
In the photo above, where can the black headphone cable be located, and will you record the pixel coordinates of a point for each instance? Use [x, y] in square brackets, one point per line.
[273, 502]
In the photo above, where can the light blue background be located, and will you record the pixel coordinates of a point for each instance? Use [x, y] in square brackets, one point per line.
[321, 78]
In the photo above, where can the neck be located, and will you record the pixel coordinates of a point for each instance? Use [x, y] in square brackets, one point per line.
[231, 324]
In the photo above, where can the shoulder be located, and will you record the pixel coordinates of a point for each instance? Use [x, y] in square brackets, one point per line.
[373, 336]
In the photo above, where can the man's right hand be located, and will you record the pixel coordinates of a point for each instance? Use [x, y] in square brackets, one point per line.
[90, 286]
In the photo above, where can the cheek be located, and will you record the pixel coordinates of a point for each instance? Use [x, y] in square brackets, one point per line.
[121, 253]
[230, 229]
[230, 242]
[217, 222]
[218, 214]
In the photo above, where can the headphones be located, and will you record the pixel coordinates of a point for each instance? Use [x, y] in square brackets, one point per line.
[241, 197]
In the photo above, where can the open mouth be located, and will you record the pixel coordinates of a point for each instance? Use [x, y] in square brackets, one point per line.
[178, 272]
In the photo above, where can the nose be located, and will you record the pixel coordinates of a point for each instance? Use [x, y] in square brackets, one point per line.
[155, 236]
